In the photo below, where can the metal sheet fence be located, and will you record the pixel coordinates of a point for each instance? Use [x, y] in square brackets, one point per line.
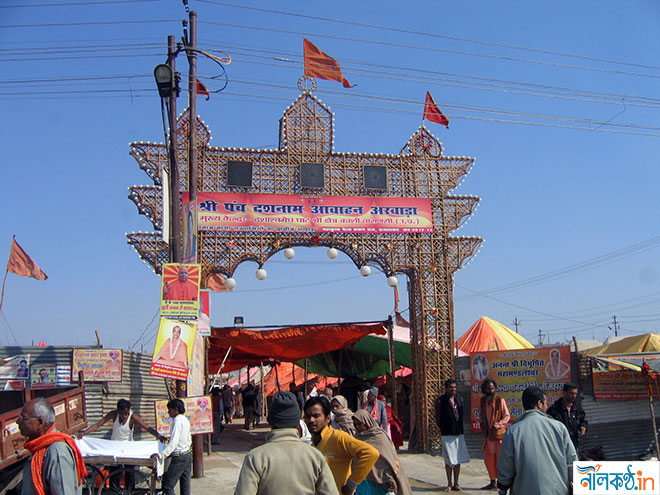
[622, 428]
[137, 386]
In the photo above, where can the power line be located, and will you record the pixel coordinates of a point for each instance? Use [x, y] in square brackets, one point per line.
[87, 23]
[455, 52]
[598, 261]
[77, 4]
[433, 35]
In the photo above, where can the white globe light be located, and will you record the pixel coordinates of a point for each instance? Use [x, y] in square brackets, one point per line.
[365, 270]
[261, 274]
[332, 253]
[392, 281]
[230, 283]
[289, 253]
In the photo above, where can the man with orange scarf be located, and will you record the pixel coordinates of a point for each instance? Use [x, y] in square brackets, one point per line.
[56, 466]
[377, 410]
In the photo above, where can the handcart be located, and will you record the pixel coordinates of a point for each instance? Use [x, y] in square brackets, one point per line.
[125, 468]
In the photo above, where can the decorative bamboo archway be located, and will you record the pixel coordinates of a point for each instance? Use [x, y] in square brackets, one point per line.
[306, 131]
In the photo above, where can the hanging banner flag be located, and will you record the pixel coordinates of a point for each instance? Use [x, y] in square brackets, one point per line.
[291, 213]
[204, 322]
[515, 370]
[180, 291]
[173, 350]
[98, 365]
[196, 371]
[198, 411]
[15, 367]
[189, 233]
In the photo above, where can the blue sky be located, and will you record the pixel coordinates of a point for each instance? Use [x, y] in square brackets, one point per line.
[569, 210]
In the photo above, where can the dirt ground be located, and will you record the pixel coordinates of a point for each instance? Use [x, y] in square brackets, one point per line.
[425, 472]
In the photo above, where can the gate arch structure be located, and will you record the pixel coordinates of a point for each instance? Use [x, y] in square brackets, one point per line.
[306, 133]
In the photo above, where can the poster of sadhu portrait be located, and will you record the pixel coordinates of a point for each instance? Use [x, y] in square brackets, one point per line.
[180, 291]
[43, 376]
[515, 370]
[198, 411]
[173, 349]
[98, 365]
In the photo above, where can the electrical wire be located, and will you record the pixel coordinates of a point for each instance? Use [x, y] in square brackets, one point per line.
[75, 4]
[433, 35]
[455, 52]
[589, 264]
[87, 23]
[145, 329]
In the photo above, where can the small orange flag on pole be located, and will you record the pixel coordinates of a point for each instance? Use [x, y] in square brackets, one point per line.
[321, 65]
[21, 264]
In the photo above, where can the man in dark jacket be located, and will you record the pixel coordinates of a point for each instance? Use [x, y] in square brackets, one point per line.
[449, 418]
[249, 405]
[567, 411]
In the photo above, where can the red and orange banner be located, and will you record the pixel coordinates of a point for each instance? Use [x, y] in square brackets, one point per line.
[619, 385]
[293, 213]
[180, 291]
[515, 370]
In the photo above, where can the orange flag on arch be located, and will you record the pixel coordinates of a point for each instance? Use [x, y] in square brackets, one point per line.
[321, 65]
[21, 264]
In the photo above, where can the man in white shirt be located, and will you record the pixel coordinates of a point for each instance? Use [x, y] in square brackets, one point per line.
[178, 450]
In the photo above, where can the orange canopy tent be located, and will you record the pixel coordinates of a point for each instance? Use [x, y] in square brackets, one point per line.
[490, 335]
[250, 347]
[290, 373]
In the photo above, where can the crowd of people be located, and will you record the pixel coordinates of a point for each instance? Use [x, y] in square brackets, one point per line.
[320, 446]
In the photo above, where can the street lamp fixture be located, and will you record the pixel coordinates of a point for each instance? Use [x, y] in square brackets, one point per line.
[164, 80]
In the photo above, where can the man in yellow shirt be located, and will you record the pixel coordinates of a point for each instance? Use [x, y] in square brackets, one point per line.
[338, 447]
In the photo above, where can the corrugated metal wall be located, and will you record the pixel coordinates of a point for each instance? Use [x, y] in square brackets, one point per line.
[622, 428]
[138, 386]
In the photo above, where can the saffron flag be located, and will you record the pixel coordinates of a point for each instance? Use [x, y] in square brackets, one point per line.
[321, 65]
[433, 113]
[201, 90]
[21, 264]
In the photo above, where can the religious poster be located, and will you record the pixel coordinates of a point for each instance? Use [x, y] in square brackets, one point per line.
[196, 371]
[198, 411]
[180, 291]
[292, 213]
[204, 322]
[173, 349]
[43, 376]
[515, 370]
[15, 367]
[98, 365]
[620, 385]
[189, 233]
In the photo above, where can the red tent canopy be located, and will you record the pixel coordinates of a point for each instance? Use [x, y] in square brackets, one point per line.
[288, 344]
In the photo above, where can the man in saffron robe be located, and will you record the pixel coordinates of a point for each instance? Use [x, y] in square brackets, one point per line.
[181, 289]
[174, 351]
[56, 466]
[494, 418]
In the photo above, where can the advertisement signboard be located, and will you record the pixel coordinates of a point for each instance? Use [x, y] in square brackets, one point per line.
[514, 371]
[180, 291]
[198, 411]
[295, 213]
[173, 350]
[98, 365]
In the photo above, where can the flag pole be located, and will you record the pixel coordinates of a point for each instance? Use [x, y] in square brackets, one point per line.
[2, 295]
